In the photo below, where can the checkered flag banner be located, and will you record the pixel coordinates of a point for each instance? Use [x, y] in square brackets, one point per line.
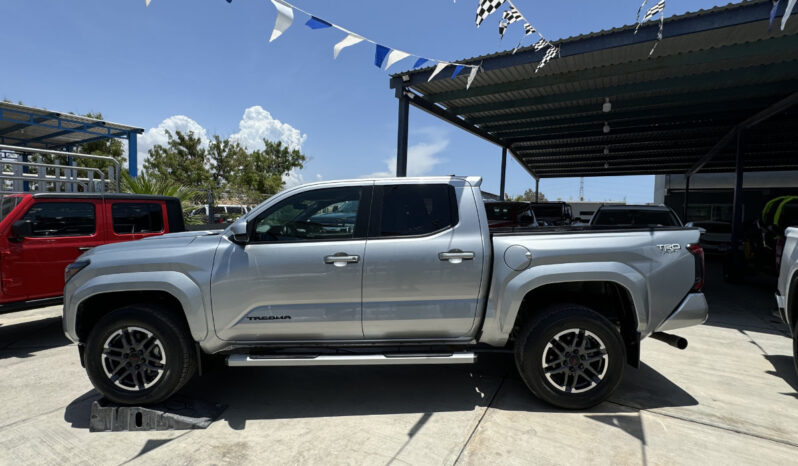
[659, 8]
[528, 29]
[509, 16]
[540, 44]
[550, 53]
[485, 8]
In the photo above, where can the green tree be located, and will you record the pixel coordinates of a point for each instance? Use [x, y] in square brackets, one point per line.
[107, 147]
[223, 154]
[529, 196]
[259, 174]
[147, 184]
[183, 161]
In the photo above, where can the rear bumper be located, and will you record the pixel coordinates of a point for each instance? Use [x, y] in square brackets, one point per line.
[693, 310]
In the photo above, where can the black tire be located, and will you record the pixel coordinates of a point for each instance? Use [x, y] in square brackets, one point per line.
[172, 344]
[795, 347]
[536, 342]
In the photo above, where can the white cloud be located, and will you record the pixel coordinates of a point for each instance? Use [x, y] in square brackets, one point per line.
[422, 157]
[157, 135]
[255, 125]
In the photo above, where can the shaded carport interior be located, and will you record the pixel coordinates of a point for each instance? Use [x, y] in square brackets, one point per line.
[718, 94]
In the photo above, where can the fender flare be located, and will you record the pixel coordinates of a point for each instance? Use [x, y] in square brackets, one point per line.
[509, 302]
[176, 284]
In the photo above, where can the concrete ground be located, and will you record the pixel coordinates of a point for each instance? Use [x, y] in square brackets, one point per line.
[730, 398]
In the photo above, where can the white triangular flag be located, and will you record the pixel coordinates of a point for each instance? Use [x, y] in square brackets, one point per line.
[394, 57]
[350, 39]
[471, 76]
[285, 16]
[146, 2]
[787, 13]
[438, 68]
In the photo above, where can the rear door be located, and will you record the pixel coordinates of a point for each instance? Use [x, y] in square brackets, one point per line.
[423, 266]
[62, 231]
[134, 219]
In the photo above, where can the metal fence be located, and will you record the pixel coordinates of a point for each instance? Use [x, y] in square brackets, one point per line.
[23, 169]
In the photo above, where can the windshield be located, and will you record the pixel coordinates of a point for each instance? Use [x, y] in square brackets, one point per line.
[554, 210]
[7, 204]
[636, 217]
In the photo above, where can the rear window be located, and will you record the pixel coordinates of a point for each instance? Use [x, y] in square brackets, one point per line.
[555, 210]
[137, 217]
[412, 210]
[632, 217]
[62, 219]
[506, 212]
[7, 204]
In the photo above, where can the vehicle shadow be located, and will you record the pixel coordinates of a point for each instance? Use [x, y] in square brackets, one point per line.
[23, 340]
[784, 367]
[311, 392]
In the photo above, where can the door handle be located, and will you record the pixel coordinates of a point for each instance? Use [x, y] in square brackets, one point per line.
[455, 256]
[85, 248]
[340, 259]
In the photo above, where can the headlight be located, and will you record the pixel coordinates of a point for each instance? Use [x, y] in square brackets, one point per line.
[72, 269]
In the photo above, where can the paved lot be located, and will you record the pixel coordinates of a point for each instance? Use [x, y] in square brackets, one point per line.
[730, 398]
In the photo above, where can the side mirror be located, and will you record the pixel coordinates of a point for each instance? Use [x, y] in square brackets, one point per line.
[689, 224]
[20, 230]
[240, 233]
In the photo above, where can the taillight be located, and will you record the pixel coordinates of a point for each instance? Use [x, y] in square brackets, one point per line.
[698, 253]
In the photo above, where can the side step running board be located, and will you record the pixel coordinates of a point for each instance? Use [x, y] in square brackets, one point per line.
[248, 360]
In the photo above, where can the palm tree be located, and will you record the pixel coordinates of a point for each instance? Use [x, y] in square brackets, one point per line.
[146, 184]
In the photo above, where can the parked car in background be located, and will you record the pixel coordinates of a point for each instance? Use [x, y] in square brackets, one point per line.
[222, 213]
[635, 216]
[510, 214]
[40, 234]
[787, 287]
[716, 238]
[552, 213]
[415, 277]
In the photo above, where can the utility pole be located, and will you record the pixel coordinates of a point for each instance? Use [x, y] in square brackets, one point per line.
[582, 188]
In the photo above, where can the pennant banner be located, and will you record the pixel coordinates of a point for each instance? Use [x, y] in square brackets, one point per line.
[316, 23]
[659, 8]
[379, 55]
[438, 68]
[394, 57]
[511, 15]
[485, 8]
[787, 13]
[285, 16]
[350, 39]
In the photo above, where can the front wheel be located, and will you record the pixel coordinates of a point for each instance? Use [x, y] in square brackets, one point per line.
[139, 354]
[570, 356]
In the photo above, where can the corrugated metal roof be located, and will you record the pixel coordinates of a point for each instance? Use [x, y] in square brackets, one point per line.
[713, 69]
[41, 128]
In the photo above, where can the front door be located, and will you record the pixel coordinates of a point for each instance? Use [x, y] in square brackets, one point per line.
[62, 231]
[299, 278]
[423, 266]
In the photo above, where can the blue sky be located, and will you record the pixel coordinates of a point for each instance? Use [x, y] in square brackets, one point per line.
[207, 65]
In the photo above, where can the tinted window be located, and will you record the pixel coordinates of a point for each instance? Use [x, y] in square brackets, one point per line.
[322, 214]
[237, 210]
[499, 211]
[554, 210]
[636, 218]
[134, 217]
[62, 218]
[7, 204]
[409, 210]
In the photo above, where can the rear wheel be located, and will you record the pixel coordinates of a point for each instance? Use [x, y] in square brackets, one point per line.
[795, 347]
[139, 354]
[570, 356]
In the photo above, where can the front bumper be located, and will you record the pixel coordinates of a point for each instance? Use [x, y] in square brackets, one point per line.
[693, 310]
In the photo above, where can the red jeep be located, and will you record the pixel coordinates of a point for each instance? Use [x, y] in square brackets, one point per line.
[40, 234]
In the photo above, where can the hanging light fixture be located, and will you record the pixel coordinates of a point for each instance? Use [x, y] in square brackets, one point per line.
[606, 165]
[606, 150]
[607, 105]
[606, 127]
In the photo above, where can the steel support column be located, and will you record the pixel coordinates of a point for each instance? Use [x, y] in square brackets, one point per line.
[537, 189]
[504, 173]
[686, 198]
[401, 140]
[132, 155]
[737, 212]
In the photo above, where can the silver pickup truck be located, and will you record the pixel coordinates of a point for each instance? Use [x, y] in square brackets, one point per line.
[381, 271]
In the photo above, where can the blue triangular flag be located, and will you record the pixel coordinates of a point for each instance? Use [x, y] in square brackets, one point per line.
[380, 54]
[420, 62]
[457, 70]
[317, 23]
[773, 13]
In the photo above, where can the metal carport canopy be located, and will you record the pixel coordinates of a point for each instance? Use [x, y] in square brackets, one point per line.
[676, 111]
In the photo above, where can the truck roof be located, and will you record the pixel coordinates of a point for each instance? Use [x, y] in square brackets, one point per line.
[634, 206]
[474, 181]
